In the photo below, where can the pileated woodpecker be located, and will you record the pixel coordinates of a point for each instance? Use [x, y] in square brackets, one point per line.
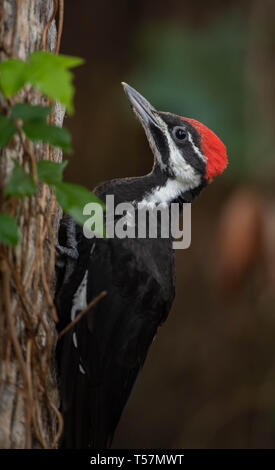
[100, 357]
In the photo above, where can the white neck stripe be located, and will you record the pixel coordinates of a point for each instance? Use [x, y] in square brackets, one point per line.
[195, 148]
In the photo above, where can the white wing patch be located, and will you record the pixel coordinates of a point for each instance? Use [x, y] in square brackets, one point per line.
[80, 297]
[81, 369]
[74, 339]
[196, 149]
[79, 303]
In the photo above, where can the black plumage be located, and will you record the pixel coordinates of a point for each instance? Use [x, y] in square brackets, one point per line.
[114, 336]
[100, 357]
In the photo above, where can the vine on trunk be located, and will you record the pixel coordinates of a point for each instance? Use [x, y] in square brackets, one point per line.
[32, 181]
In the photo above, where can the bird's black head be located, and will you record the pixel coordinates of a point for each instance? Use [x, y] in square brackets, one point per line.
[185, 150]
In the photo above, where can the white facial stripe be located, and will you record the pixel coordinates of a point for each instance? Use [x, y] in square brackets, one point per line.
[183, 171]
[195, 148]
[186, 177]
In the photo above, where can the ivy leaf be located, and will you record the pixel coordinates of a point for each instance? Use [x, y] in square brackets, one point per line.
[7, 129]
[57, 136]
[72, 198]
[20, 183]
[54, 60]
[50, 172]
[50, 73]
[9, 233]
[26, 111]
[12, 76]
[57, 84]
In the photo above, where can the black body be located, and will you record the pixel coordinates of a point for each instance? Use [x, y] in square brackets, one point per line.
[114, 336]
[99, 359]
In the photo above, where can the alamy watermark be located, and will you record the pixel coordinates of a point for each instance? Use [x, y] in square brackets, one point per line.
[128, 220]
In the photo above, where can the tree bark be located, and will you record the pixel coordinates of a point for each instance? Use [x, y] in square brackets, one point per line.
[29, 415]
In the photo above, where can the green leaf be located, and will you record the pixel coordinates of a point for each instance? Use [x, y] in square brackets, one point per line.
[60, 60]
[72, 198]
[57, 84]
[12, 76]
[9, 233]
[20, 183]
[7, 129]
[57, 136]
[50, 172]
[26, 111]
[49, 73]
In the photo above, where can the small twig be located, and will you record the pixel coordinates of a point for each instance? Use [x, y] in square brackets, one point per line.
[80, 315]
[37, 413]
[30, 395]
[44, 34]
[51, 236]
[24, 299]
[42, 268]
[13, 336]
[15, 343]
[46, 287]
[59, 425]
[27, 150]
[60, 25]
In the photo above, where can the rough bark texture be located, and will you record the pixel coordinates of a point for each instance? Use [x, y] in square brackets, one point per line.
[29, 414]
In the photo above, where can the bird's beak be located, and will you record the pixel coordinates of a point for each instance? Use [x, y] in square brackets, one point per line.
[146, 113]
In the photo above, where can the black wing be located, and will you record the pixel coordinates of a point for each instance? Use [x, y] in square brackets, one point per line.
[99, 359]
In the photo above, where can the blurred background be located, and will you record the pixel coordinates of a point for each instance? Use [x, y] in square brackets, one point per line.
[209, 379]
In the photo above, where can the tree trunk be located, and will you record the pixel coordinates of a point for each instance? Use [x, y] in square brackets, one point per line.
[29, 415]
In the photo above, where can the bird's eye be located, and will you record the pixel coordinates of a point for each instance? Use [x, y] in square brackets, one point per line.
[180, 133]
